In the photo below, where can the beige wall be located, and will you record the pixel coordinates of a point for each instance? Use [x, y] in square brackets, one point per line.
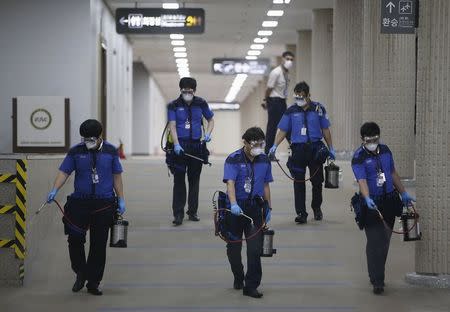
[227, 132]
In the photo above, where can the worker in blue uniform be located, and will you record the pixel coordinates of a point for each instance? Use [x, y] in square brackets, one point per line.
[307, 124]
[92, 205]
[185, 115]
[379, 185]
[247, 173]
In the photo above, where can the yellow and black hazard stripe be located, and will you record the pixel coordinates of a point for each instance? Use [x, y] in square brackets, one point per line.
[7, 178]
[19, 209]
[21, 201]
[22, 271]
[7, 243]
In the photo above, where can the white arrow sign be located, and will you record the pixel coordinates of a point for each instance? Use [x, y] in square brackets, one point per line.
[123, 21]
[391, 6]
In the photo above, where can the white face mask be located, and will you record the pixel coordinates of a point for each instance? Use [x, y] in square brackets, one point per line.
[188, 97]
[300, 101]
[288, 64]
[371, 147]
[90, 145]
[256, 151]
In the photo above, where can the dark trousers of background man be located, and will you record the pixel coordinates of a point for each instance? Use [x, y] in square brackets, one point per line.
[275, 109]
[82, 213]
[239, 226]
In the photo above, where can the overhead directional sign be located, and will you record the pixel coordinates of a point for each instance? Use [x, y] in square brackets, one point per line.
[160, 21]
[232, 66]
[398, 16]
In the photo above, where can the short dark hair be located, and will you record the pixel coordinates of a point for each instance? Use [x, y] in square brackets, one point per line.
[188, 83]
[369, 129]
[254, 134]
[287, 53]
[301, 86]
[91, 128]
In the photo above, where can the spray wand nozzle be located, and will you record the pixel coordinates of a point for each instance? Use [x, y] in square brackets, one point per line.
[42, 207]
[245, 216]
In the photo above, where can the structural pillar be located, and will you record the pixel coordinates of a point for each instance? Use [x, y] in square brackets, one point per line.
[433, 146]
[322, 58]
[303, 56]
[389, 72]
[347, 75]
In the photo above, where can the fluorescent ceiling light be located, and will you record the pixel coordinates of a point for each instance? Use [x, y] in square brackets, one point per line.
[264, 33]
[287, 1]
[251, 57]
[235, 87]
[270, 24]
[170, 5]
[180, 54]
[275, 13]
[181, 60]
[281, 1]
[182, 65]
[261, 40]
[253, 52]
[179, 49]
[176, 36]
[177, 42]
[257, 47]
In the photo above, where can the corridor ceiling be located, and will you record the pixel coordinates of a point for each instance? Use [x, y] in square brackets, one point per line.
[231, 26]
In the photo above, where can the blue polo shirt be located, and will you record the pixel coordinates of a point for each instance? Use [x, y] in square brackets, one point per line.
[314, 119]
[238, 167]
[365, 165]
[184, 114]
[81, 160]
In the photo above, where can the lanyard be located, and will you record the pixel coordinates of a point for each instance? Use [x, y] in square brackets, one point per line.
[190, 121]
[250, 173]
[93, 155]
[305, 123]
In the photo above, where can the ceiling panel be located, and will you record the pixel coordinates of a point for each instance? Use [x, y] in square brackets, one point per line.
[231, 26]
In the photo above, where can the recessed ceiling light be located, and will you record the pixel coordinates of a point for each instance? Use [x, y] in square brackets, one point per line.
[264, 33]
[176, 36]
[257, 47]
[270, 24]
[261, 40]
[179, 49]
[181, 60]
[177, 42]
[170, 5]
[278, 1]
[251, 57]
[253, 52]
[180, 54]
[275, 13]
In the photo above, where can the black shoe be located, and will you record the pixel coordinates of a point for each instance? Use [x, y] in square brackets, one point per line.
[318, 215]
[378, 290]
[79, 284]
[177, 221]
[252, 293]
[238, 285]
[301, 219]
[193, 217]
[95, 291]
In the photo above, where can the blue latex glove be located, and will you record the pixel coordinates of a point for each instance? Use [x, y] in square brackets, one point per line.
[272, 151]
[268, 215]
[407, 199]
[370, 203]
[332, 153]
[121, 209]
[178, 149]
[207, 137]
[235, 209]
[51, 196]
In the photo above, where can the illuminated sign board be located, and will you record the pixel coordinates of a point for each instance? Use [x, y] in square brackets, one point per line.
[160, 21]
[233, 66]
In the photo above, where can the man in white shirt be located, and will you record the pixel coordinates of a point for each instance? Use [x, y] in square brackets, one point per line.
[275, 97]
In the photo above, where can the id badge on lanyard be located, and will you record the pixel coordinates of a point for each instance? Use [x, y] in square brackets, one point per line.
[381, 178]
[248, 185]
[187, 125]
[94, 175]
